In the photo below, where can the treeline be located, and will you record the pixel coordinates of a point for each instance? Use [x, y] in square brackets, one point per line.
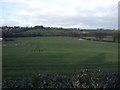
[17, 31]
[99, 34]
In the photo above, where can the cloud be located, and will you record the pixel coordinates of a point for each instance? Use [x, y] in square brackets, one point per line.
[65, 13]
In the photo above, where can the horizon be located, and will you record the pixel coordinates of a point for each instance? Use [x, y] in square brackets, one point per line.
[62, 27]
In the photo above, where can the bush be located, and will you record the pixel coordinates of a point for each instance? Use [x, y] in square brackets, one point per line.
[81, 79]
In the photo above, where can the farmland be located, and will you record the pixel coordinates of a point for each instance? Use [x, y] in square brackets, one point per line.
[42, 31]
[62, 55]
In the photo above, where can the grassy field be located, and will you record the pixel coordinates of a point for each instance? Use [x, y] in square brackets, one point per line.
[42, 31]
[63, 55]
[109, 38]
[105, 31]
[60, 30]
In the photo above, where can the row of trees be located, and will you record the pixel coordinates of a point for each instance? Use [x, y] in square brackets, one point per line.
[100, 36]
[116, 37]
[16, 31]
[18, 28]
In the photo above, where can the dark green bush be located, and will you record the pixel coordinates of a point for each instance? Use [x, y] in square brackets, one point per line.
[81, 79]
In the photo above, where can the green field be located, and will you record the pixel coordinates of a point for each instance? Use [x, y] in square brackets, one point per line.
[63, 55]
[109, 38]
[54, 30]
[42, 31]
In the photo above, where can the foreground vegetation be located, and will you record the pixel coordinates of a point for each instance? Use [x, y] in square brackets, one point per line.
[81, 79]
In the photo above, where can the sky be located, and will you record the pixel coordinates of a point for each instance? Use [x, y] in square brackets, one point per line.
[60, 13]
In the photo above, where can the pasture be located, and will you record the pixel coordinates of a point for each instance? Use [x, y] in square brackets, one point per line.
[109, 38]
[62, 55]
[43, 31]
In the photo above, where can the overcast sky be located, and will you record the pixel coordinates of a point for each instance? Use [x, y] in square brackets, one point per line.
[60, 13]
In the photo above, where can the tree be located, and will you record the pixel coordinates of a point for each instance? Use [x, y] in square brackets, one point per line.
[39, 27]
[116, 37]
[100, 35]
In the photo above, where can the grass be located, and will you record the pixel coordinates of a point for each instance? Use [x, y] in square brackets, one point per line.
[105, 31]
[91, 38]
[42, 31]
[107, 38]
[110, 38]
[60, 30]
[62, 55]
